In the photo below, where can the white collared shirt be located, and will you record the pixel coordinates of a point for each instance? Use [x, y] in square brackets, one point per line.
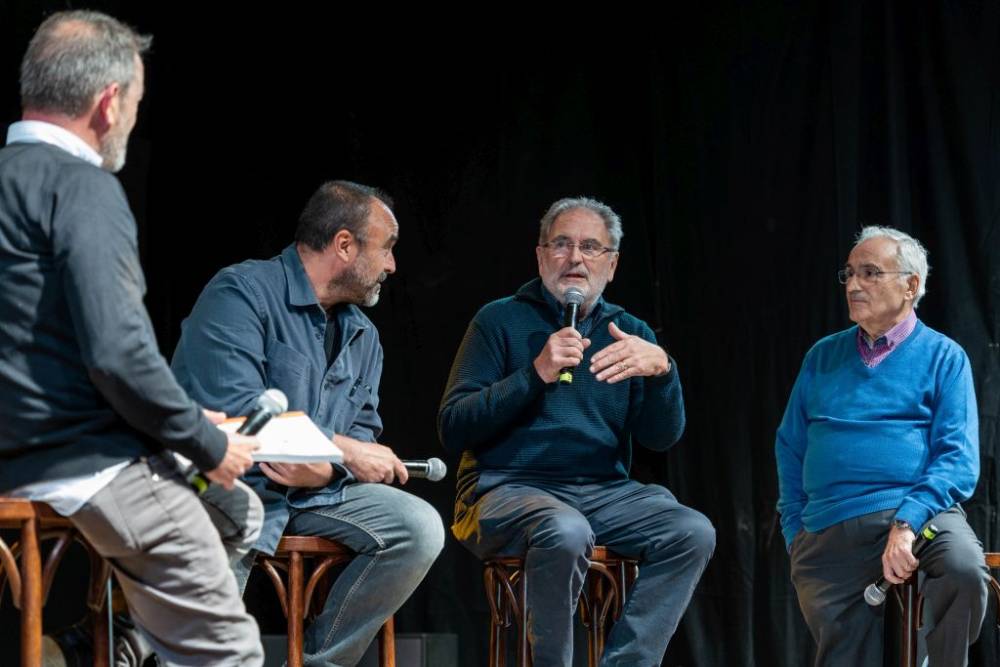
[40, 132]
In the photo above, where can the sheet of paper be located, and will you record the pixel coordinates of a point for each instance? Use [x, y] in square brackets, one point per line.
[290, 438]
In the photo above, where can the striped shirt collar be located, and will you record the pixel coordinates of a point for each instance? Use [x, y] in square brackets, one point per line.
[874, 352]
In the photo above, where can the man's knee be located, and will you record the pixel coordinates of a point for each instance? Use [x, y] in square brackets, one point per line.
[563, 533]
[690, 532]
[423, 530]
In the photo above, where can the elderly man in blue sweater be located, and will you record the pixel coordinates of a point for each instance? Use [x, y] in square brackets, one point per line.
[881, 437]
[544, 470]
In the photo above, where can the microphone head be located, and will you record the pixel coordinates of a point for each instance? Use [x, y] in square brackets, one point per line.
[436, 470]
[273, 400]
[874, 595]
[573, 295]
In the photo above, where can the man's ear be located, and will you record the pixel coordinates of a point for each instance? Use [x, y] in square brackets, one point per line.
[107, 111]
[344, 245]
[912, 286]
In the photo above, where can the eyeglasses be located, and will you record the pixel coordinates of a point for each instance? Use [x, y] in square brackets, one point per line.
[562, 247]
[866, 275]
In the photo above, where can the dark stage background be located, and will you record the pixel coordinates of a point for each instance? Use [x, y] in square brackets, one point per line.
[743, 144]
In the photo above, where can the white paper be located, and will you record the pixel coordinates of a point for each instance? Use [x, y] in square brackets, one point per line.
[291, 438]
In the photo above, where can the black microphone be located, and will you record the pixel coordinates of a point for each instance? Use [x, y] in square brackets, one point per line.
[270, 404]
[433, 470]
[573, 297]
[875, 593]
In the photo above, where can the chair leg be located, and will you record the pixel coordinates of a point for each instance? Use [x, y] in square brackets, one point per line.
[595, 631]
[31, 595]
[387, 643]
[907, 595]
[523, 645]
[296, 612]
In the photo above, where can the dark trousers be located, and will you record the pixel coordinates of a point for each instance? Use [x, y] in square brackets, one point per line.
[831, 568]
[555, 526]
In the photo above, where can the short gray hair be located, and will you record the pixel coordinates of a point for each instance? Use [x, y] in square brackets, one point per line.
[611, 219]
[911, 255]
[73, 56]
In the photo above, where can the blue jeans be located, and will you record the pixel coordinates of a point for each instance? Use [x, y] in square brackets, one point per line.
[396, 536]
[555, 526]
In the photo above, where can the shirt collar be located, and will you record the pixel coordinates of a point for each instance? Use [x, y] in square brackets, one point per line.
[40, 132]
[893, 336]
[300, 290]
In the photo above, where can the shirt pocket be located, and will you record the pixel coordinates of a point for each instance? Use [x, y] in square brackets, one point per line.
[288, 370]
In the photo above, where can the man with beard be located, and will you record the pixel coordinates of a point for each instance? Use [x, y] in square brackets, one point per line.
[89, 411]
[293, 323]
[544, 470]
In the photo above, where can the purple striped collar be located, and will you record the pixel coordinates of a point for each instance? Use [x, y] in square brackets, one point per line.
[874, 352]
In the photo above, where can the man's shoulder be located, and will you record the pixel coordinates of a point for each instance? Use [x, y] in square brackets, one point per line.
[41, 162]
[255, 274]
[832, 350]
[500, 310]
[934, 338]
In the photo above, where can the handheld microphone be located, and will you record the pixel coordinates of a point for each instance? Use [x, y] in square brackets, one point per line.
[433, 470]
[270, 404]
[875, 593]
[573, 296]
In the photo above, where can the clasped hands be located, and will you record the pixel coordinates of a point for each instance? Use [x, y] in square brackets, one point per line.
[629, 356]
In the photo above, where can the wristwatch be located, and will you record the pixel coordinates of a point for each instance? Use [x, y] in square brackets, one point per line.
[899, 523]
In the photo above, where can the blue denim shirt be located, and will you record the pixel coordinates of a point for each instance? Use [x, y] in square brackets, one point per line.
[258, 325]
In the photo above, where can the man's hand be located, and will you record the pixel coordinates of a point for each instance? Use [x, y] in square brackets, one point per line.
[564, 349]
[629, 356]
[898, 562]
[299, 475]
[237, 460]
[370, 461]
[213, 416]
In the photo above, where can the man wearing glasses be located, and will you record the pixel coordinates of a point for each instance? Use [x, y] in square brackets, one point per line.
[880, 438]
[544, 469]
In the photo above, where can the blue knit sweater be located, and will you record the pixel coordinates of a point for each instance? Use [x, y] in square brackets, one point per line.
[903, 435]
[510, 425]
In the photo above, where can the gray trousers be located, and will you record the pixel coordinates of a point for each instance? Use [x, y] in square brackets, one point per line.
[831, 568]
[172, 566]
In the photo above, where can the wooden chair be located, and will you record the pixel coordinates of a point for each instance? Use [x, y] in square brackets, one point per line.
[287, 569]
[608, 580]
[30, 579]
[911, 605]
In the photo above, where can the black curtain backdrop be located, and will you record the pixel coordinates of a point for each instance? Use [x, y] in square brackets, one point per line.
[743, 143]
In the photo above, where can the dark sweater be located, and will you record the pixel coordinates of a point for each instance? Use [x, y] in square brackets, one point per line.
[510, 425]
[82, 384]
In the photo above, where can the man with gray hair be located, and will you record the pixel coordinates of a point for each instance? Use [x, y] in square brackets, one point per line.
[544, 470]
[880, 439]
[90, 412]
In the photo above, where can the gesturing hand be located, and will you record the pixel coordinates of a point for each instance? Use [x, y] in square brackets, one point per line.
[563, 349]
[629, 356]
